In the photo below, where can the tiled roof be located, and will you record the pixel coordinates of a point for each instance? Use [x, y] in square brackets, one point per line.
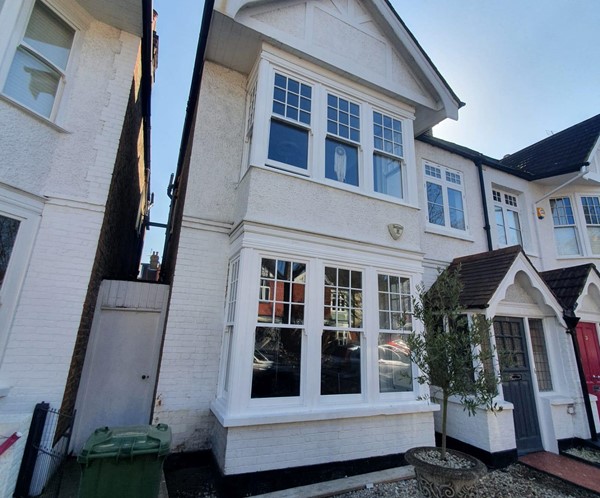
[563, 152]
[482, 273]
[568, 283]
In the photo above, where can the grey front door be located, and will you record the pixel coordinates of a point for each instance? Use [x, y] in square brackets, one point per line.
[516, 382]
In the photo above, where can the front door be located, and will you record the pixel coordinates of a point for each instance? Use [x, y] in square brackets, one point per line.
[587, 336]
[516, 382]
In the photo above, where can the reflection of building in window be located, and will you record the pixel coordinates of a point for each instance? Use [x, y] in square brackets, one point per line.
[591, 212]
[565, 231]
[8, 234]
[444, 191]
[37, 72]
[508, 223]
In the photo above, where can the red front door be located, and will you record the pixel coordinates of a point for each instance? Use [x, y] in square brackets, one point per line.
[587, 336]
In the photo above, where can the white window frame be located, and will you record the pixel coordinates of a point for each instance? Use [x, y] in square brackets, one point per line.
[587, 245]
[323, 83]
[445, 185]
[17, 13]
[27, 209]
[501, 198]
[237, 401]
[576, 225]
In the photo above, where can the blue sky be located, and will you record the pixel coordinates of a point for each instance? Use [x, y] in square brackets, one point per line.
[525, 69]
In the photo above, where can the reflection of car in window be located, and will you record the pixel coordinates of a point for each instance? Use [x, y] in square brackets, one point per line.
[394, 367]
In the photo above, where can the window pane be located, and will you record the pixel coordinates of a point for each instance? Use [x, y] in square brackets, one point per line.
[387, 176]
[343, 118]
[500, 225]
[32, 83]
[562, 213]
[8, 234]
[288, 144]
[514, 228]
[341, 162]
[340, 362]
[395, 372]
[594, 236]
[387, 133]
[457, 215]
[591, 210]
[566, 241]
[435, 204]
[49, 35]
[540, 356]
[286, 99]
[276, 365]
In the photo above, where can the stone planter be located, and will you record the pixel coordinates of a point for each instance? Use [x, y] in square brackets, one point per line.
[438, 481]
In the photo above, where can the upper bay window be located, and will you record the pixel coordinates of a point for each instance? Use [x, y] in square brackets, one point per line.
[36, 76]
[508, 224]
[322, 129]
[444, 190]
[290, 122]
[388, 154]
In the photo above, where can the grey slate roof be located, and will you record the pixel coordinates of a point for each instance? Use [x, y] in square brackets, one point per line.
[568, 283]
[482, 273]
[563, 152]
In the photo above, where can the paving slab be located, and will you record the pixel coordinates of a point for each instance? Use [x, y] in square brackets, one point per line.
[565, 468]
[345, 485]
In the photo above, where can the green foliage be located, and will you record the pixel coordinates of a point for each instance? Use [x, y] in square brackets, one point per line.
[453, 353]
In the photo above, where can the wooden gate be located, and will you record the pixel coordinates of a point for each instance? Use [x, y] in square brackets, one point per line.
[121, 365]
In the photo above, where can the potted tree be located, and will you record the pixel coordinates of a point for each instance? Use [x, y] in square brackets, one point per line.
[454, 356]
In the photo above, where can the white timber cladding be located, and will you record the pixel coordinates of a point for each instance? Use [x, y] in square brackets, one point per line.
[235, 405]
[314, 127]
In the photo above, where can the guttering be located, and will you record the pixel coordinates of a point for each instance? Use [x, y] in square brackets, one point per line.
[486, 216]
[582, 172]
[190, 113]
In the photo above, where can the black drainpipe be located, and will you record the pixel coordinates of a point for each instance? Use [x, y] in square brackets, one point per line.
[571, 320]
[486, 216]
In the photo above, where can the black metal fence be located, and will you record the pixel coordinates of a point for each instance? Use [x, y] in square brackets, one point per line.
[45, 452]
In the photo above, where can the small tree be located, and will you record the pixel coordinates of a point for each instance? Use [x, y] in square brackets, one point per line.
[453, 353]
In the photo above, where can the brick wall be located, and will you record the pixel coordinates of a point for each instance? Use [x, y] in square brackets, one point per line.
[192, 345]
[121, 237]
[266, 447]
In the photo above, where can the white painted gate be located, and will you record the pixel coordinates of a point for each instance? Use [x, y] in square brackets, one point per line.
[121, 363]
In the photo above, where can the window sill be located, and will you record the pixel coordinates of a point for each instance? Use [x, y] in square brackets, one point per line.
[298, 414]
[447, 232]
[32, 113]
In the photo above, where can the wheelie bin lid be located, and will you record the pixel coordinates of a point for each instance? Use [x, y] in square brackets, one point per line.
[127, 442]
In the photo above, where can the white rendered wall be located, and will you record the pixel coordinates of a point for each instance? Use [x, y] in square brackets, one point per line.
[71, 166]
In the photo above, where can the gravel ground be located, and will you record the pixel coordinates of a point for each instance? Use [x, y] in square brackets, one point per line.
[516, 481]
[588, 454]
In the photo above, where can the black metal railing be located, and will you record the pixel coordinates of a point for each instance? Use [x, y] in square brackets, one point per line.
[45, 452]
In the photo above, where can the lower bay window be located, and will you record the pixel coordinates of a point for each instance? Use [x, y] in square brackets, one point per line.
[321, 332]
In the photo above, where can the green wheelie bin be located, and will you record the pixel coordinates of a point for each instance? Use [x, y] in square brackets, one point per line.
[124, 461]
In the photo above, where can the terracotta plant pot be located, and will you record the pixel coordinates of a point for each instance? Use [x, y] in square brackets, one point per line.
[439, 481]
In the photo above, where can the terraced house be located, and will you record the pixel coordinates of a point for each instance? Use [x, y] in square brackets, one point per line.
[310, 201]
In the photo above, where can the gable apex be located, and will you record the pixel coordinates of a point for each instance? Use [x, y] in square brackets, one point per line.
[364, 40]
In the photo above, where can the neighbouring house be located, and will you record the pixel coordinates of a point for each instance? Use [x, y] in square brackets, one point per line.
[309, 202]
[75, 79]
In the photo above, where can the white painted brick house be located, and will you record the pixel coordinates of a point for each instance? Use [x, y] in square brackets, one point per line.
[68, 72]
[310, 202]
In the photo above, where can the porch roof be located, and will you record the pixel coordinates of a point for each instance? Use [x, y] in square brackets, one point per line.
[481, 274]
[568, 283]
